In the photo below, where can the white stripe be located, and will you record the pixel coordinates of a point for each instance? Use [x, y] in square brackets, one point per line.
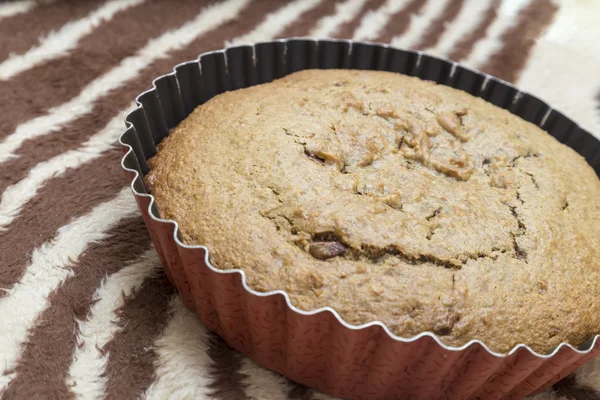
[277, 21]
[10, 9]
[374, 21]
[16, 196]
[261, 383]
[183, 362]
[50, 265]
[321, 396]
[470, 15]
[589, 374]
[419, 23]
[506, 19]
[63, 40]
[208, 19]
[86, 374]
[547, 394]
[562, 68]
[344, 12]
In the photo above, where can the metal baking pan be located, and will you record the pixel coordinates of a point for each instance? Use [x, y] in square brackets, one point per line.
[317, 347]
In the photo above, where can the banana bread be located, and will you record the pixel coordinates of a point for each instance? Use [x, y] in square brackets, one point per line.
[391, 199]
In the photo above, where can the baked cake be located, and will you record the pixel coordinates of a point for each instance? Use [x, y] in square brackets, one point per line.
[391, 199]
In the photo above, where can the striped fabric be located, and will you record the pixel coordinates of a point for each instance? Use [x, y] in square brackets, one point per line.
[85, 311]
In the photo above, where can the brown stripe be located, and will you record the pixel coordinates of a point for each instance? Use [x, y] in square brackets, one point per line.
[60, 79]
[22, 31]
[71, 137]
[346, 30]
[131, 355]
[571, 389]
[400, 21]
[298, 27]
[518, 41]
[227, 380]
[44, 364]
[56, 204]
[465, 46]
[438, 26]
[300, 392]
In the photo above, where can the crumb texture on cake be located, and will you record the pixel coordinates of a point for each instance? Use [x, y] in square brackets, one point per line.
[391, 199]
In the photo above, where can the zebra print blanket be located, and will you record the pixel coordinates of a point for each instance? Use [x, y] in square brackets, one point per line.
[85, 311]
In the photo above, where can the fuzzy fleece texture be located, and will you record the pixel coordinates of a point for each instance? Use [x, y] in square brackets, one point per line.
[85, 310]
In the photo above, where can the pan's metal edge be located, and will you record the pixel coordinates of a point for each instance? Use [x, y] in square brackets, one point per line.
[591, 342]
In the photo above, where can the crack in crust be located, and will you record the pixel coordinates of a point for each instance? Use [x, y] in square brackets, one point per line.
[417, 139]
[378, 255]
[328, 245]
[374, 254]
[520, 254]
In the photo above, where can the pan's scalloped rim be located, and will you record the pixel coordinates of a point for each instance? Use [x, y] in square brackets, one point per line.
[590, 342]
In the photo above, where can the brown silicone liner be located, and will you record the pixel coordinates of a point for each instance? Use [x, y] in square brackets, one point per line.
[318, 348]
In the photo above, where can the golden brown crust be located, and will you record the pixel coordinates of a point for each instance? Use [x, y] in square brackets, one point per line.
[393, 199]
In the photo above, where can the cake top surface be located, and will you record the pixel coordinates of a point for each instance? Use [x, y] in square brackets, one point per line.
[391, 199]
